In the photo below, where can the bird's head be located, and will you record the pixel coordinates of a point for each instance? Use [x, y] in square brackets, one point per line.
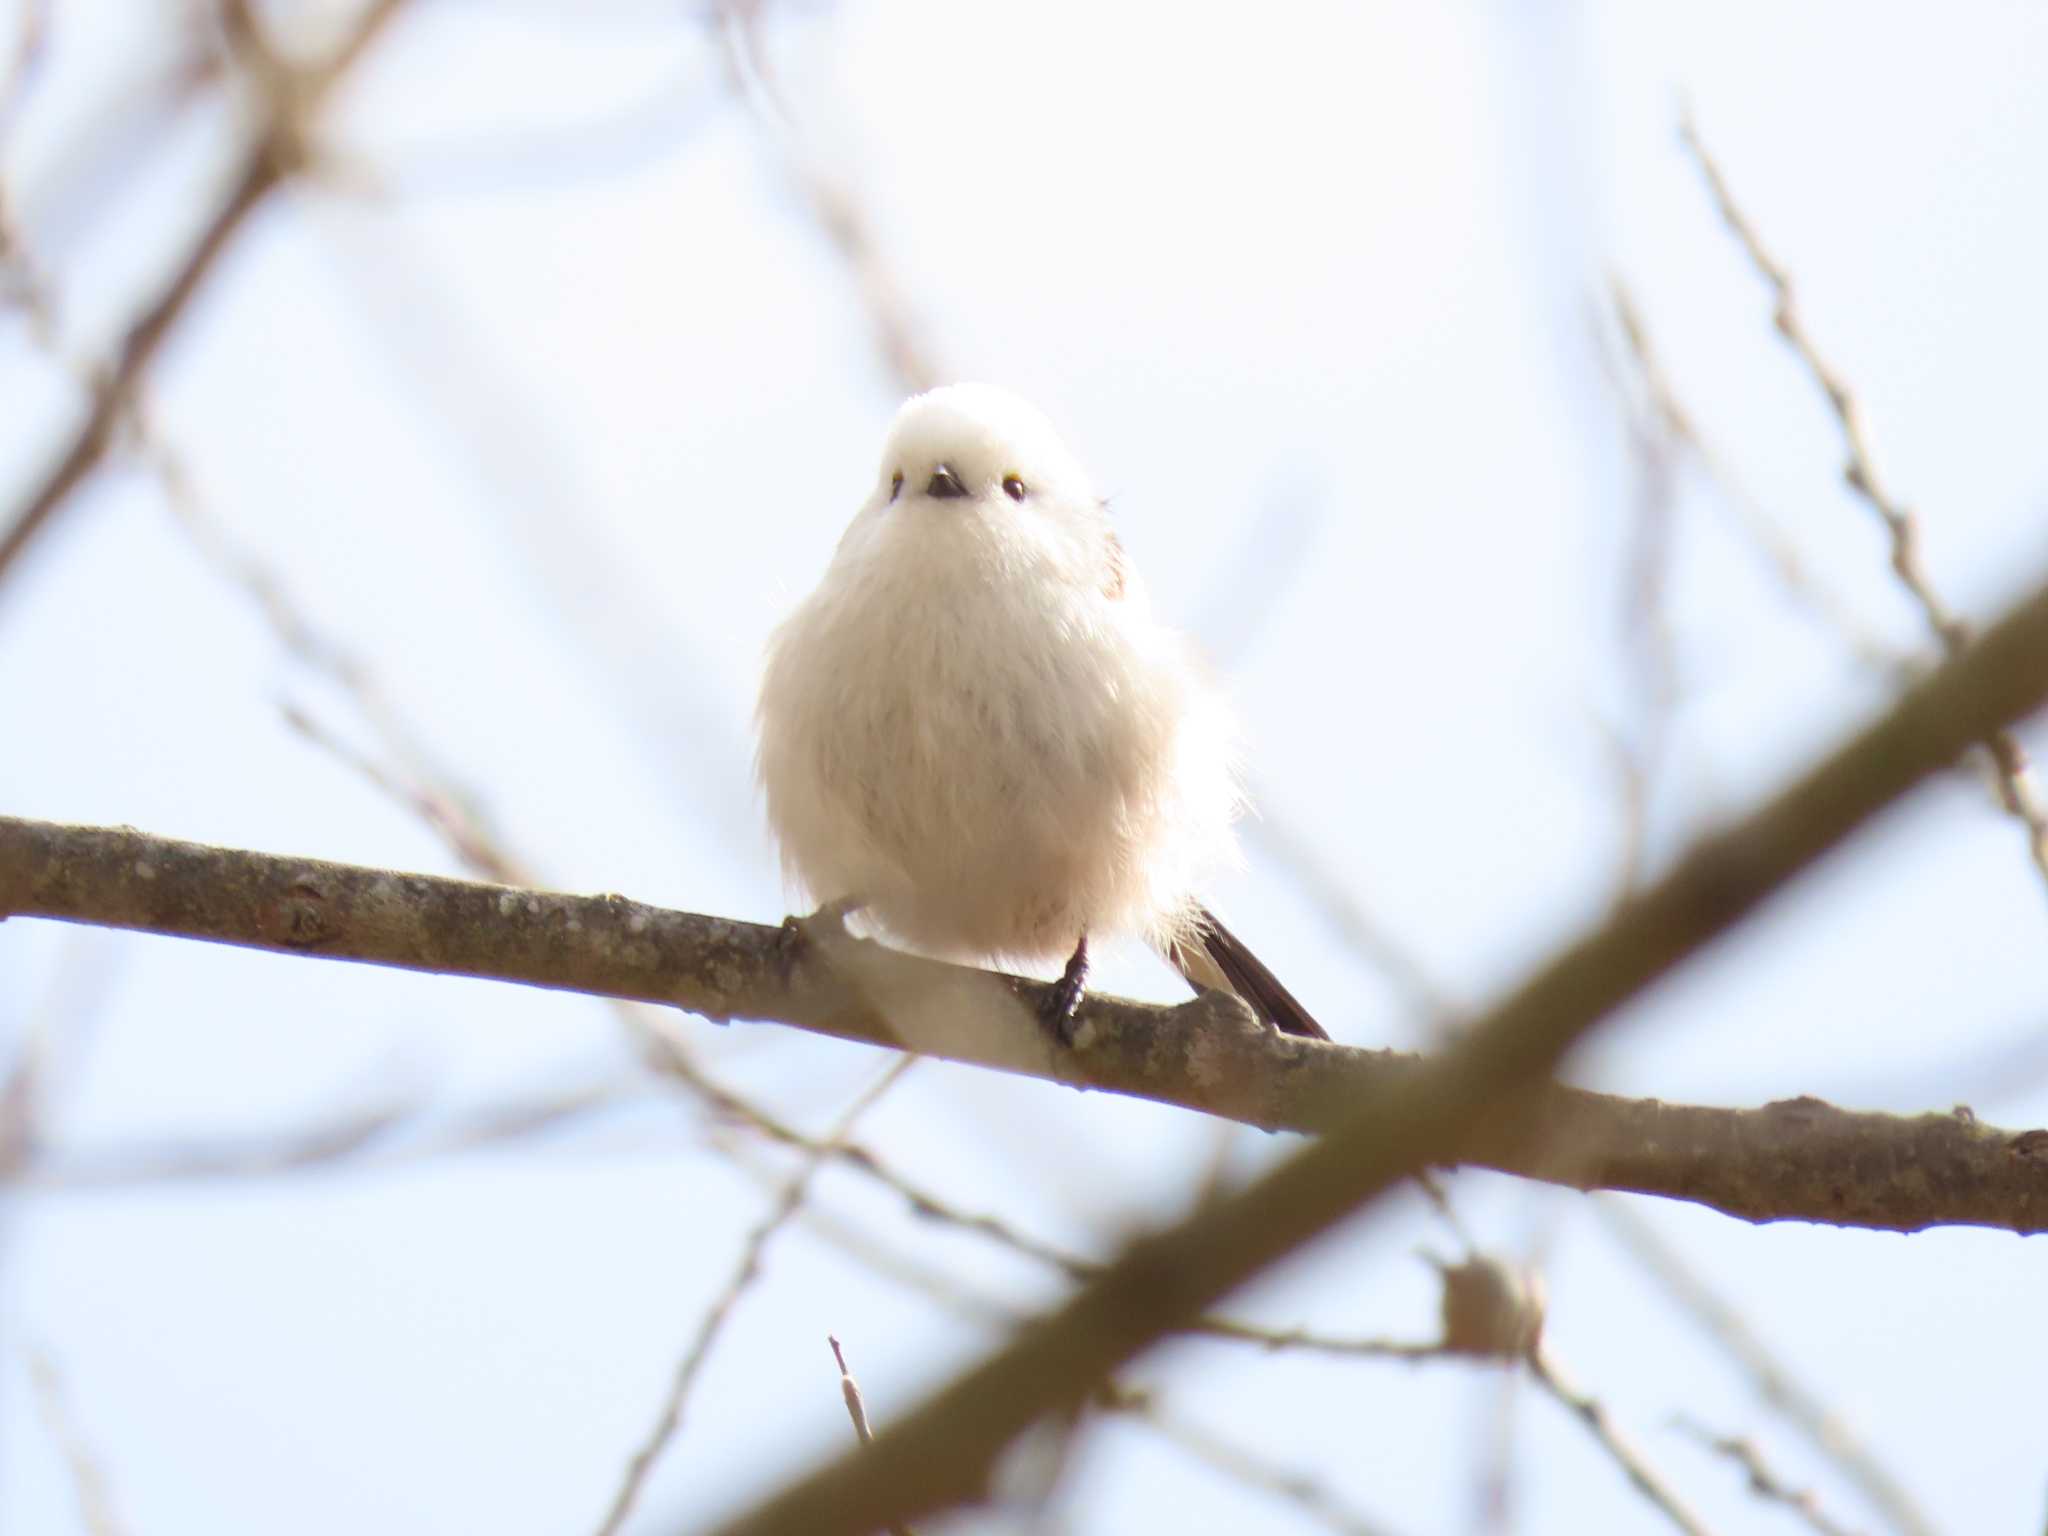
[974, 478]
[983, 461]
[975, 445]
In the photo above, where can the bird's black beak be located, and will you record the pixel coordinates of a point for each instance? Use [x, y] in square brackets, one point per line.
[945, 484]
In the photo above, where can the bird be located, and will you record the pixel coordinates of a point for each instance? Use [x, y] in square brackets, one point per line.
[975, 732]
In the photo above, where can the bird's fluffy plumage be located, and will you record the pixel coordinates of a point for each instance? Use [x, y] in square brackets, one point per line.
[974, 725]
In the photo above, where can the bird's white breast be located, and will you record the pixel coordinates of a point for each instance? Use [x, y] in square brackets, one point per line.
[990, 755]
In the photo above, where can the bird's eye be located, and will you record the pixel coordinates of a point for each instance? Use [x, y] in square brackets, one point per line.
[1013, 487]
[896, 485]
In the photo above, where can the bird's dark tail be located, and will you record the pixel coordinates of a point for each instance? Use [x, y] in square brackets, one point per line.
[1229, 961]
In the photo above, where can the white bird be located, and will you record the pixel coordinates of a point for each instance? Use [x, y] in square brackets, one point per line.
[975, 731]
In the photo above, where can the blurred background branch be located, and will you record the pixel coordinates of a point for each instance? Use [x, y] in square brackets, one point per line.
[2016, 786]
[281, 149]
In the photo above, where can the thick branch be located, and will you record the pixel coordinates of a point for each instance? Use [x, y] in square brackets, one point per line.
[1796, 1161]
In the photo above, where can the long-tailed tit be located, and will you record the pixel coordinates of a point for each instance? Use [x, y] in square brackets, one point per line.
[975, 731]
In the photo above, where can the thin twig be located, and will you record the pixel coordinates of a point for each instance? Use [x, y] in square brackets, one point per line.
[857, 1410]
[861, 1241]
[440, 811]
[393, 1134]
[1763, 1481]
[53, 1038]
[88, 1472]
[1306, 1493]
[1772, 1378]
[1589, 1410]
[1646, 644]
[1307, 1341]
[25, 286]
[1661, 404]
[2018, 790]
[744, 1273]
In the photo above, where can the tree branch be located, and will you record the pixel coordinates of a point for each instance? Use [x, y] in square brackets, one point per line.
[1799, 1160]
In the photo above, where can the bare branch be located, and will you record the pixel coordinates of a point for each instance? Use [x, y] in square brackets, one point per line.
[276, 154]
[1763, 1482]
[2017, 788]
[1543, 1367]
[88, 1471]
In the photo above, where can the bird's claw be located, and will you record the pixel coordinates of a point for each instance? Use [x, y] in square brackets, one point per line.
[1061, 1001]
[1057, 1008]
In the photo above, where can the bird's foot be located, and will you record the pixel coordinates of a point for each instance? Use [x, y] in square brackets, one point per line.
[1062, 999]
